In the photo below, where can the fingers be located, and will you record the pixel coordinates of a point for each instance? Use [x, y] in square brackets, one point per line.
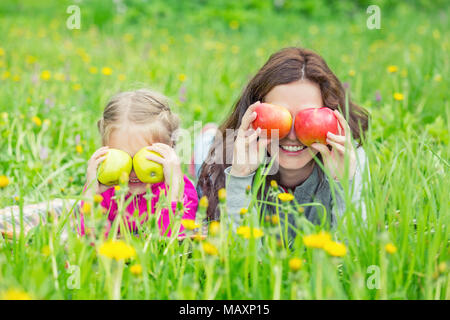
[249, 116]
[99, 160]
[155, 158]
[336, 138]
[163, 149]
[339, 147]
[343, 123]
[100, 152]
[323, 149]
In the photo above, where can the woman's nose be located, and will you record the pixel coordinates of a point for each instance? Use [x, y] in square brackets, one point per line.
[292, 135]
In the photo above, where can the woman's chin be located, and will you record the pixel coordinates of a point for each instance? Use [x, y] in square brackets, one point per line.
[294, 162]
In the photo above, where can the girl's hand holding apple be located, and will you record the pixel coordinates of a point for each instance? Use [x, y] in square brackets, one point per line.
[171, 164]
[93, 185]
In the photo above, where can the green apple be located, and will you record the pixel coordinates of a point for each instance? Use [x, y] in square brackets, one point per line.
[117, 165]
[146, 170]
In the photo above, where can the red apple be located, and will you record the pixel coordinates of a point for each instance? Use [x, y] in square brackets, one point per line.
[270, 116]
[312, 125]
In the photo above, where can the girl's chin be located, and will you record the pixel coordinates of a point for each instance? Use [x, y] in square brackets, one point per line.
[136, 187]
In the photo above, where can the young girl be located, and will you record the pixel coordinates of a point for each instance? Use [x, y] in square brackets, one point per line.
[131, 121]
[296, 79]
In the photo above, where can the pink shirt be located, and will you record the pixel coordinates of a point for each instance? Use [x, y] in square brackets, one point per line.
[190, 204]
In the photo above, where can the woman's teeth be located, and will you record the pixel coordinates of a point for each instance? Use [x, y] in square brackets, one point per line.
[292, 148]
[135, 180]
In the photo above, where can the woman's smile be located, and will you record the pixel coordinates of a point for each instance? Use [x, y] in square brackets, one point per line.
[292, 149]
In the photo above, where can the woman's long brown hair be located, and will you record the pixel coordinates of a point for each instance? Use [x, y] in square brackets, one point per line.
[283, 67]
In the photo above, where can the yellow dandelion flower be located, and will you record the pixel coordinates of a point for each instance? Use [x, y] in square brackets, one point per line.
[29, 59]
[46, 75]
[46, 251]
[210, 249]
[317, 240]
[182, 77]
[189, 224]
[93, 70]
[248, 189]
[117, 188]
[214, 227]
[352, 73]
[275, 219]
[2, 52]
[98, 198]
[234, 24]
[117, 249]
[398, 96]
[436, 34]
[107, 71]
[295, 264]
[76, 86]
[392, 69]
[122, 77]
[285, 197]
[15, 294]
[243, 211]
[37, 121]
[128, 37]
[204, 203]
[4, 181]
[164, 47]
[79, 149]
[274, 184]
[87, 206]
[16, 78]
[136, 269]
[247, 232]
[335, 249]
[222, 193]
[442, 267]
[188, 38]
[390, 248]
[5, 75]
[437, 78]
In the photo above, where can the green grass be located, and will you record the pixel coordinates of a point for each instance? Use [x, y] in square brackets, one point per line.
[215, 50]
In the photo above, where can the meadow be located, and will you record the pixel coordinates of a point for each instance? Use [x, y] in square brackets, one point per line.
[54, 83]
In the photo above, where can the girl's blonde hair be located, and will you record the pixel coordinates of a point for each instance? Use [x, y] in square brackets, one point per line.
[142, 107]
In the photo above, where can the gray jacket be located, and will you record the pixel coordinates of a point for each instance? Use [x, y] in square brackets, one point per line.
[311, 190]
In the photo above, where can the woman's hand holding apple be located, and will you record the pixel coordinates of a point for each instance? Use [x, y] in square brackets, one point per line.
[334, 160]
[247, 145]
[173, 176]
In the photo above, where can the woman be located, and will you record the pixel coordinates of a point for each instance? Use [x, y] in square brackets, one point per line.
[296, 79]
